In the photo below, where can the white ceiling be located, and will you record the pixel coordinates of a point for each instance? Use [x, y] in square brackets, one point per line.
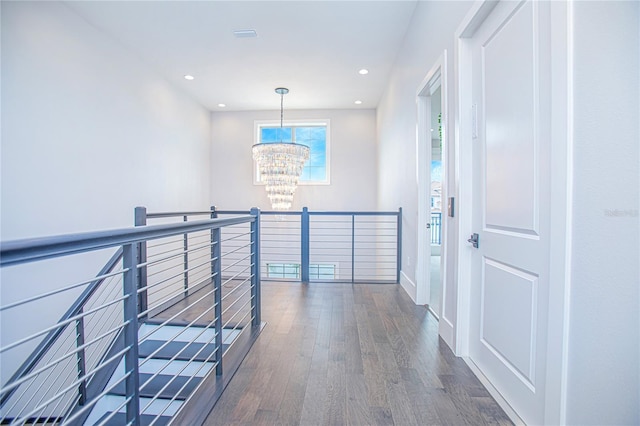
[314, 48]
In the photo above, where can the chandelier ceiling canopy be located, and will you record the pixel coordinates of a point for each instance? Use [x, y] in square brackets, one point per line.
[280, 164]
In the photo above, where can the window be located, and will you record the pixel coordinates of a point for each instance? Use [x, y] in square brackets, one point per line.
[283, 270]
[292, 270]
[314, 134]
[322, 272]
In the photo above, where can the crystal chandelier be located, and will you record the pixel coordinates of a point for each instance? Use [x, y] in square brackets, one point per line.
[280, 165]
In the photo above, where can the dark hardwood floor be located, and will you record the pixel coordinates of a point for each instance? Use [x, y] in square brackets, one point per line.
[360, 354]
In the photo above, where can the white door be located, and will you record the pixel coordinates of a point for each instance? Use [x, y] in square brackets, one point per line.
[510, 267]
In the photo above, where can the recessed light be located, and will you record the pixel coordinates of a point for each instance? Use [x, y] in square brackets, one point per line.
[222, 105]
[357, 102]
[189, 77]
[245, 33]
[363, 71]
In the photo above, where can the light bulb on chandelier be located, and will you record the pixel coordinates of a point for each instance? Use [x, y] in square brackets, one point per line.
[280, 164]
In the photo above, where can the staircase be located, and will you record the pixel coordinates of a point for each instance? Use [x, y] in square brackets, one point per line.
[164, 297]
[173, 361]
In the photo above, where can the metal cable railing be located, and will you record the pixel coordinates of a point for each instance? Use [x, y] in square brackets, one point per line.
[436, 228]
[329, 246]
[354, 247]
[140, 338]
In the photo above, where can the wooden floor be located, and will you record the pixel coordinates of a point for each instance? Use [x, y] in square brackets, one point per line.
[360, 354]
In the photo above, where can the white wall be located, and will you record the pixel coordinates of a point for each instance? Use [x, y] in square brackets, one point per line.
[604, 356]
[353, 161]
[88, 133]
[604, 331]
[430, 33]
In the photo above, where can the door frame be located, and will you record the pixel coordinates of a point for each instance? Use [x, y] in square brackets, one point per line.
[437, 75]
[561, 200]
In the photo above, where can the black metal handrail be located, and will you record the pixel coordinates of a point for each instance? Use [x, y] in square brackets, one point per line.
[185, 213]
[32, 249]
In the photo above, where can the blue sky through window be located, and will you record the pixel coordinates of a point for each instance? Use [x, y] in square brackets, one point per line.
[275, 134]
[315, 137]
[436, 171]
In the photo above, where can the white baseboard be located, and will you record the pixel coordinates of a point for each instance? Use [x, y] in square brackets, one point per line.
[408, 286]
[445, 329]
[510, 412]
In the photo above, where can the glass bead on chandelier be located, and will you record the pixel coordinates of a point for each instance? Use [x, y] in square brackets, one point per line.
[280, 166]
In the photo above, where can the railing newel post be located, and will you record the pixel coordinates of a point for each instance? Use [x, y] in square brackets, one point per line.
[353, 247]
[185, 247]
[216, 268]
[132, 382]
[256, 311]
[304, 245]
[140, 219]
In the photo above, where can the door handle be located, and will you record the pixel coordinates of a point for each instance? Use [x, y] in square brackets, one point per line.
[474, 240]
[428, 226]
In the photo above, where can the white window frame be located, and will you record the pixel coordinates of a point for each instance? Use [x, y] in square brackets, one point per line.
[284, 267]
[259, 124]
[318, 266]
[298, 267]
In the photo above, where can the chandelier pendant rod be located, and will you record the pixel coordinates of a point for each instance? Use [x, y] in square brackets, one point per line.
[282, 91]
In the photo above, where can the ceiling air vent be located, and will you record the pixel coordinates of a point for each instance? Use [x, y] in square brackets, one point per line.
[245, 33]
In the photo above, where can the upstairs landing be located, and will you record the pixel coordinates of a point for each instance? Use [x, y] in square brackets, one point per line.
[360, 354]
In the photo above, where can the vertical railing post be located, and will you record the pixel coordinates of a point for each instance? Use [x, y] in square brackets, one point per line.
[140, 219]
[399, 245]
[256, 304]
[353, 248]
[82, 365]
[185, 258]
[304, 245]
[216, 268]
[130, 286]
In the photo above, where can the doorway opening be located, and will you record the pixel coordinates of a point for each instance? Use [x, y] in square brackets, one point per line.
[435, 203]
[431, 273]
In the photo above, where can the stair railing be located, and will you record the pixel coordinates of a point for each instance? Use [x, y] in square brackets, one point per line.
[329, 246]
[52, 337]
[69, 362]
